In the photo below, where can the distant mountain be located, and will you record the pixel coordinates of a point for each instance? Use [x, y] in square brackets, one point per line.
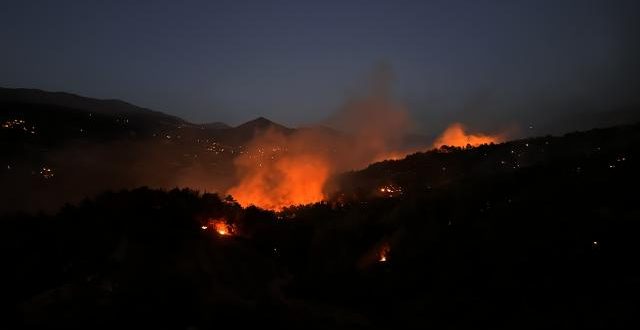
[215, 125]
[72, 101]
[261, 123]
[243, 133]
[80, 117]
[59, 147]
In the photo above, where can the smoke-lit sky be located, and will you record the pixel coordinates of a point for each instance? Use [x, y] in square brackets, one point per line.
[489, 64]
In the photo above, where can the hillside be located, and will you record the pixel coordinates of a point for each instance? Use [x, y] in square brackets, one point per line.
[76, 102]
[62, 116]
[454, 238]
[598, 150]
[59, 147]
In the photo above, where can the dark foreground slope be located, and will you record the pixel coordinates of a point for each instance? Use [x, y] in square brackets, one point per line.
[538, 233]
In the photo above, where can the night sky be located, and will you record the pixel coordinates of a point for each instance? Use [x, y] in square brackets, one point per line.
[489, 64]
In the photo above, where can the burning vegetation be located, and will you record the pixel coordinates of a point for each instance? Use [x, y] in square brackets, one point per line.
[296, 172]
[220, 226]
[276, 180]
[456, 136]
[375, 125]
[383, 253]
[390, 190]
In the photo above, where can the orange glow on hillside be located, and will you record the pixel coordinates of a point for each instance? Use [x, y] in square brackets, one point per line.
[391, 155]
[383, 254]
[456, 136]
[281, 168]
[289, 180]
[222, 229]
[220, 226]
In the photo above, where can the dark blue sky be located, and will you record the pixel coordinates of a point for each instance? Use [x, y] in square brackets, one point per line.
[486, 63]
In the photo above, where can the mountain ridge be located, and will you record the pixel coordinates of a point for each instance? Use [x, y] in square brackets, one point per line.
[116, 107]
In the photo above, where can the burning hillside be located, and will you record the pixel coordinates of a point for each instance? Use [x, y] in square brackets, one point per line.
[427, 232]
[275, 180]
[283, 168]
[456, 136]
[280, 170]
[296, 172]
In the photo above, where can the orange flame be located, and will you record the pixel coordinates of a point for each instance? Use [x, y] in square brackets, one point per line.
[456, 136]
[220, 226]
[375, 125]
[293, 179]
[383, 254]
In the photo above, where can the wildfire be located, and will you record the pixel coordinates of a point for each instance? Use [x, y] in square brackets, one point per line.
[220, 226]
[290, 180]
[279, 169]
[383, 254]
[295, 172]
[456, 136]
[390, 190]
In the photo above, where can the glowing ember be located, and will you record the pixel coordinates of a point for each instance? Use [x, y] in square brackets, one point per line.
[390, 190]
[383, 254]
[220, 226]
[456, 136]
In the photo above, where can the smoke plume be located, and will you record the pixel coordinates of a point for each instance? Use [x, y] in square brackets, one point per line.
[280, 169]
